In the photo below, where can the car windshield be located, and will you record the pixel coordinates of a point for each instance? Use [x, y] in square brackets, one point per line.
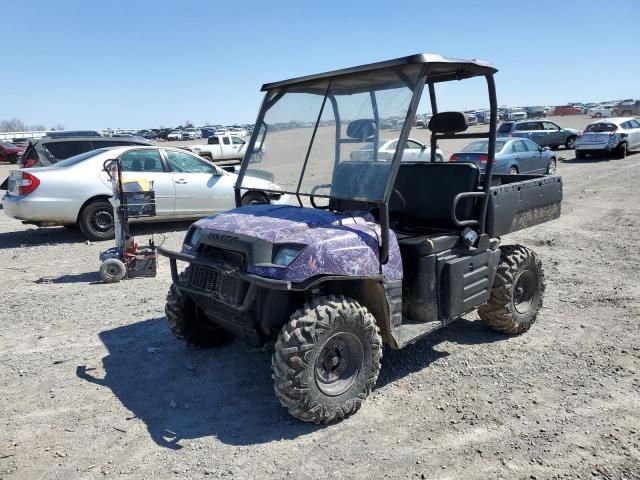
[482, 146]
[78, 158]
[600, 127]
[310, 131]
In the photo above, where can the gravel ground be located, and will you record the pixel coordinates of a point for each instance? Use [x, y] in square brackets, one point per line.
[93, 385]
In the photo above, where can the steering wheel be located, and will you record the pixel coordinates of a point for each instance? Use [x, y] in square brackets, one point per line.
[313, 191]
[400, 197]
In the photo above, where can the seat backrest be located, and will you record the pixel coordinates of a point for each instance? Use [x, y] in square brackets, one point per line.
[428, 190]
[357, 179]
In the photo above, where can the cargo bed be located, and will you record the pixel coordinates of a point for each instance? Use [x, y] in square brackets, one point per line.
[522, 201]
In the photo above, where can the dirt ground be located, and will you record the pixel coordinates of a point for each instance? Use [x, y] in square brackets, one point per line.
[93, 385]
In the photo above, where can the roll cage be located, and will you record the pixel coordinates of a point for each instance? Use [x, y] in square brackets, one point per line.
[433, 69]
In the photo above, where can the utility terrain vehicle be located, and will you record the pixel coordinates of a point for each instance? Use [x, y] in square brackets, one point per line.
[376, 250]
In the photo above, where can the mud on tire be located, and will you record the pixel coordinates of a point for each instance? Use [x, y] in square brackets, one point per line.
[517, 292]
[327, 359]
[190, 323]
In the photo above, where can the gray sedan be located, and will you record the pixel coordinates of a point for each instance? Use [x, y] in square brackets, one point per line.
[513, 156]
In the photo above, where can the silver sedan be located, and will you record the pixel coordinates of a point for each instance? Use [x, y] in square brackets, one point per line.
[76, 191]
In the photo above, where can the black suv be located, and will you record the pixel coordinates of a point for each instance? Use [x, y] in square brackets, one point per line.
[47, 151]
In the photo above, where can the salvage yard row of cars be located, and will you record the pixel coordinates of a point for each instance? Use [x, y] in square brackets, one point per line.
[61, 182]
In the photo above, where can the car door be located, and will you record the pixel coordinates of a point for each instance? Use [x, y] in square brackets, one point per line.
[201, 188]
[634, 133]
[226, 147]
[414, 152]
[553, 135]
[522, 156]
[147, 164]
[238, 145]
[536, 160]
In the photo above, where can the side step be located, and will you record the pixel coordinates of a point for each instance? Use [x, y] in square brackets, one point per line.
[411, 332]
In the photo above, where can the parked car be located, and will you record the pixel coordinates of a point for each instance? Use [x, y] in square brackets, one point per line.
[191, 134]
[613, 135]
[147, 134]
[536, 112]
[10, 153]
[627, 108]
[176, 135]
[239, 131]
[76, 191]
[517, 114]
[544, 132]
[413, 152]
[222, 147]
[513, 156]
[163, 133]
[471, 119]
[22, 141]
[72, 133]
[600, 111]
[47, 151]
[567, 110]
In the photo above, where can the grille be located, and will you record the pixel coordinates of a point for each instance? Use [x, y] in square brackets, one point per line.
[228, 258]
[211, 280]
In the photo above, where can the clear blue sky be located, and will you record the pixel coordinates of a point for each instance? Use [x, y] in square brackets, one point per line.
[99, 64]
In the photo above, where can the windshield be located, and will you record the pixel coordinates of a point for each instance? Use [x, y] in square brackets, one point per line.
[78, 158]
[331, 138]
[601, 127]
[482, 146]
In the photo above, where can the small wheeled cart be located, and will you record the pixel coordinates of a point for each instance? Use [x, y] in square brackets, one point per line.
[134, 198]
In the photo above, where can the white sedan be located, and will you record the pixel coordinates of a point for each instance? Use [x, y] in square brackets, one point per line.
[414, 152]
[600, 111]
[76, 191]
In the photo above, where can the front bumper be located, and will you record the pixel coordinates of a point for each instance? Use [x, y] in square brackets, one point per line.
[253, 280]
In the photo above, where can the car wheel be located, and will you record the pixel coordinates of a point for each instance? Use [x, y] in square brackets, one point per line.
[513, 171]
[253, 198]
[626, 113]
[12, 159]
[327, 359]
[517, 292]
[621, 151]
[439, 158]
[598, 115]
[551, 168]
[96, 220]
[570, 143]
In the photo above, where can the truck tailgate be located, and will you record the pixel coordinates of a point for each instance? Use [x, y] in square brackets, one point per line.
[523, 203]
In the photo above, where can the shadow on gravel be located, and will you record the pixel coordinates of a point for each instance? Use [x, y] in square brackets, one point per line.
[39, 236]
[182, 393]
[400, 363]
[88, 277]
[32, 237]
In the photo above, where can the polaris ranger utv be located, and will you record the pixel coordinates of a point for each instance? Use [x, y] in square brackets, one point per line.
[376, 249]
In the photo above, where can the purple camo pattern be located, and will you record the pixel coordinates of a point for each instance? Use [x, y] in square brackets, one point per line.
[337, 243]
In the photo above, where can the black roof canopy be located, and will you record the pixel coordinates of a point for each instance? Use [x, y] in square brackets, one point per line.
[441, 69]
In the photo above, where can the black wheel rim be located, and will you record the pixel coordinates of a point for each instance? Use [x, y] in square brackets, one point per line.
[524, 291]
[571, 142]
[339, 363]
[102, 220]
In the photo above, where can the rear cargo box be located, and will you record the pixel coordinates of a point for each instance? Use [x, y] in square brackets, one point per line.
[518, 204]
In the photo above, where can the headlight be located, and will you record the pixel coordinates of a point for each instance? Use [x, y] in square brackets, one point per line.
[285, 255]
[193, 237]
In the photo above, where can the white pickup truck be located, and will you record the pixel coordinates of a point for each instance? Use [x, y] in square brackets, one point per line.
[222, 147]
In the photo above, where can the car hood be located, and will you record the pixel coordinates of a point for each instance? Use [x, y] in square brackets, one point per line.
[281, 223]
